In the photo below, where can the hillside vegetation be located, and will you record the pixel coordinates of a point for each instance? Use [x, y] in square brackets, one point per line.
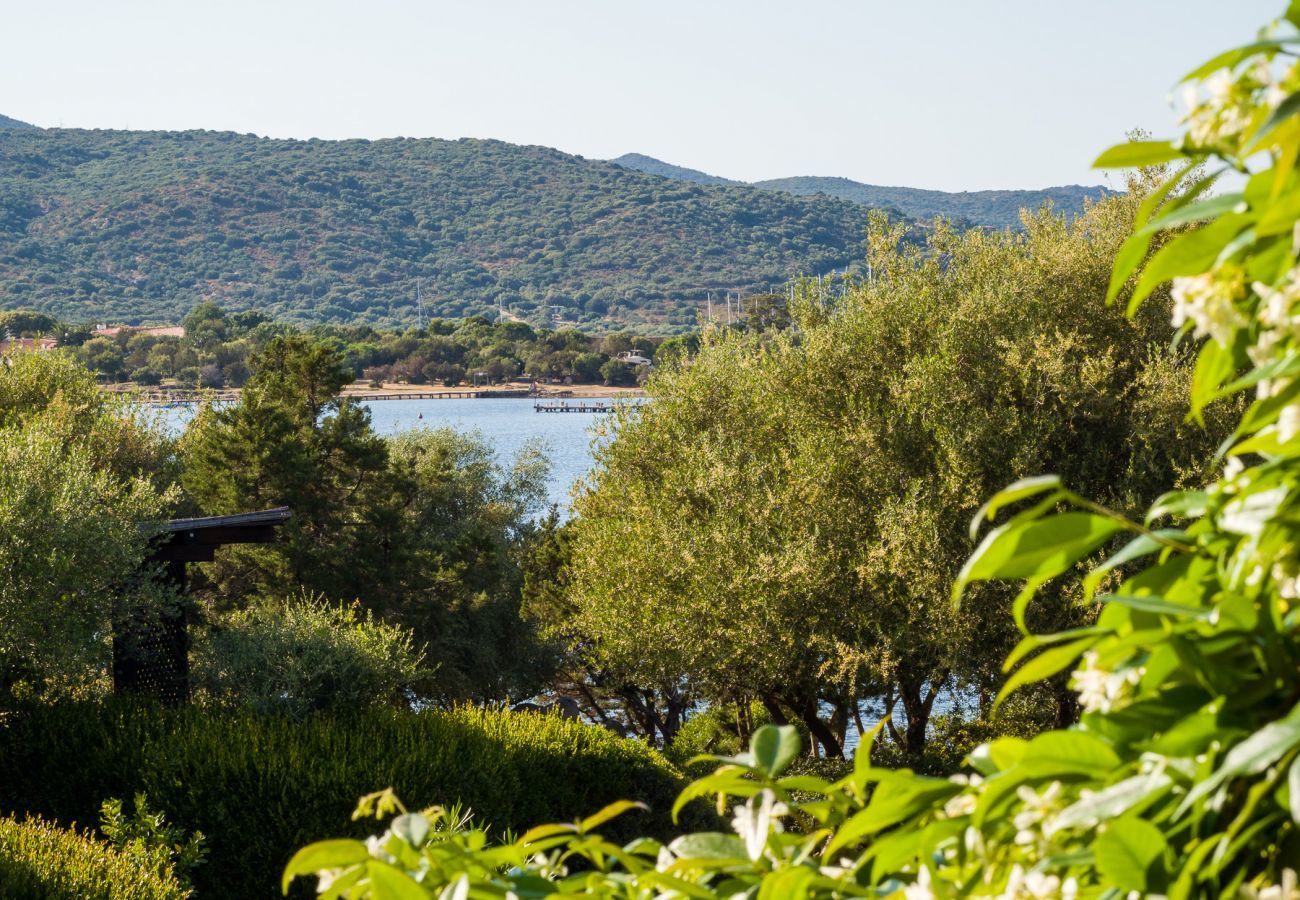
[993, 209]
[142, 226]
[990, 209]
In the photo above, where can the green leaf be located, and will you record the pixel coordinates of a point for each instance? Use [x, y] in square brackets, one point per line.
[323, 855]
[1188, 504]
[1253, 755]
[1142, 545]
[1069, 752]
[1019, 490]
[1156, 605]
[1230, 58]
[614, 809]
[774, 747]
[1199, 211]
[1111, 802]
[709, 845]
[1214, 365]
[895, 799]
[1037, 550]
[1129, 854]
[1137, 153]
[389, 883]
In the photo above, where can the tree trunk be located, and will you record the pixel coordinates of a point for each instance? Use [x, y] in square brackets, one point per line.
[806, 709]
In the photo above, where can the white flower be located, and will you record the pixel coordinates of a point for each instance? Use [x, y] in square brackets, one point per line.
[664, 860]
[964, 803]
[1247, 515]
[1287, 890]
[325, 879]
[1288, 422]
[754, 825]
[457, 890]
[919, 889]
[1101, 690]
[1207, 302]
[375, 847]
[1037, 885]
[1232, 468]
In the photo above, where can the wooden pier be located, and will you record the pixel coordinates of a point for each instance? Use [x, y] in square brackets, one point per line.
[581, 406]
[192, 398]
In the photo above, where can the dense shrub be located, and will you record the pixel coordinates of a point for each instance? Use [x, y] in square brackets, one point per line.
[260, 786]
[306, 655]
[39, 861]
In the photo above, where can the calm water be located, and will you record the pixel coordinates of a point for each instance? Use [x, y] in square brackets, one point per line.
[507, 425]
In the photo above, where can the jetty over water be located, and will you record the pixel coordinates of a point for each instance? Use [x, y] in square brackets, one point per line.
[580, 406]
[192, 398]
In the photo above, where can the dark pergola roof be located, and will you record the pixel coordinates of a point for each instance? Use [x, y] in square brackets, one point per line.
[196, 540]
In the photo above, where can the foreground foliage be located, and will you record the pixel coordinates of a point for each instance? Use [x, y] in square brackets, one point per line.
[1182, 777]
[39, 861]
[259, 786]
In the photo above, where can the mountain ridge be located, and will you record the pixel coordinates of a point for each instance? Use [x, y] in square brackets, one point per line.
[7, 122]
[986, 208]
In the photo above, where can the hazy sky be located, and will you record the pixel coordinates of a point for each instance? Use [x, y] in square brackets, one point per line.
[950, 94]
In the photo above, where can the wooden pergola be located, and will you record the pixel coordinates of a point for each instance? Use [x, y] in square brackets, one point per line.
[153, 658]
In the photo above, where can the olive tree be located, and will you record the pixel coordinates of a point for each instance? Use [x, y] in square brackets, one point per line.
[784, 520]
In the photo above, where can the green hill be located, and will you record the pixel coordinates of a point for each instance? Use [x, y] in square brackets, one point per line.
[140, 226]
[6, 122]
[652, 166]
[995, 209]
[992, 209]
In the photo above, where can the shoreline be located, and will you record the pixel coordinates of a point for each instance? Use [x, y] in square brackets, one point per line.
[360, 390]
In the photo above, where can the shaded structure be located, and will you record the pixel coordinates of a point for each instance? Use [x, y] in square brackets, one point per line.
[151, 657]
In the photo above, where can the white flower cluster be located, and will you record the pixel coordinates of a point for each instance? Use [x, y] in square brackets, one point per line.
[1227, 105]
[1101, 690]
[1208, 301]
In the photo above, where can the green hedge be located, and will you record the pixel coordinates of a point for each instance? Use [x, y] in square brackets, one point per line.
[261, 786]
[39, 861]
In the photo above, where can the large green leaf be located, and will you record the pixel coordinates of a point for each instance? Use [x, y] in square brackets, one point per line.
[1069, 752]
[1137, 153]
[1039, 549]
[1019, 490]
[323, 855]
[1113, 801]
[773, 747]
[1129, 854]
[1253, 755]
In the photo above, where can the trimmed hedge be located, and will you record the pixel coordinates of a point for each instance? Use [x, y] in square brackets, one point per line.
[39, 861]
[261, 786]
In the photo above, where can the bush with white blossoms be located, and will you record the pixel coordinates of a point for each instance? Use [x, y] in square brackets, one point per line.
[1182, 777]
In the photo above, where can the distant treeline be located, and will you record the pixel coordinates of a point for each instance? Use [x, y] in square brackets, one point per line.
[217, 344]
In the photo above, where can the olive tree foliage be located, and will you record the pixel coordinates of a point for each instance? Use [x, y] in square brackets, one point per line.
[80, 474]
[1182, 777]
[784, 521]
